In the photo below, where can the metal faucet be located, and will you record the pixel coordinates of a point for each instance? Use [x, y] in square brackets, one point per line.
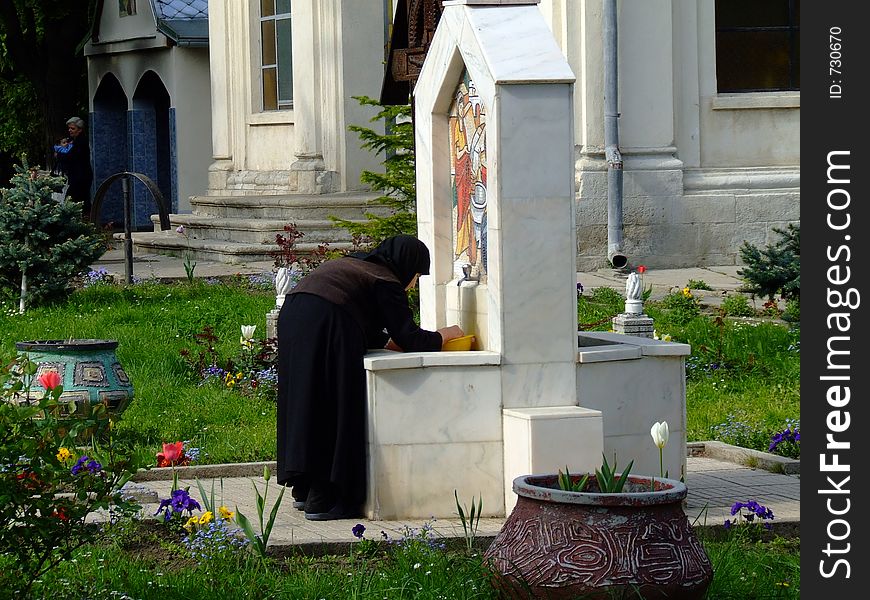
[466, 274]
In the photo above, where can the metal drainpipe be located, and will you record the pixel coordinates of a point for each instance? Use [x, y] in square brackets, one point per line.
[611, 140]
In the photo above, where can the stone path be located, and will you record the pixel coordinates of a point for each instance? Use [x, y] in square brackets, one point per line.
[714, 486]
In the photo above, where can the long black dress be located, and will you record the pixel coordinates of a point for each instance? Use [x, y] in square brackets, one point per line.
[325, 326]
[80, 175]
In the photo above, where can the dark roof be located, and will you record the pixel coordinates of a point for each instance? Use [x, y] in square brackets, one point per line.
[185, 22]
[180, 9]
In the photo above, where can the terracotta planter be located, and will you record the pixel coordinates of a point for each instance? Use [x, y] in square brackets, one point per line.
[635, 544]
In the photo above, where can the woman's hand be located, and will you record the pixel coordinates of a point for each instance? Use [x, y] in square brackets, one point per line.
[391, 345]
[449, 333]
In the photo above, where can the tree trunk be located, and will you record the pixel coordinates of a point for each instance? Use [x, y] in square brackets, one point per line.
[42, 41]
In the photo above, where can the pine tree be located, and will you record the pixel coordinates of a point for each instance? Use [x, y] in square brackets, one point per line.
[398, 182]
[44, 240]
[777, 268]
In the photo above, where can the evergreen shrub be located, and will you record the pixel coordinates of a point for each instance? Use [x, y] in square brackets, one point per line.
[46, 240]
[777, 268]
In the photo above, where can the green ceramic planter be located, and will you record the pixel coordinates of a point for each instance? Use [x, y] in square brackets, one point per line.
[89, 372]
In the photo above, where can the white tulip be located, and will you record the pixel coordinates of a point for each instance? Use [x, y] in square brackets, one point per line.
[660, 434]
[248, 331]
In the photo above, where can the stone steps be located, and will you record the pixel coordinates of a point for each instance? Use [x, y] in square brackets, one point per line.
[239, 229]
[172, 244]
[255, 231]
[289, 207]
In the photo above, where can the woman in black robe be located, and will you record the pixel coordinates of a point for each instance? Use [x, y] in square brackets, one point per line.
[327, 323]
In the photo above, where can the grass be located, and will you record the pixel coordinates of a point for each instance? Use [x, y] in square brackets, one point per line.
[738, 374]
[153, 322]
[742, 387]
[144, 563]
[743, 377]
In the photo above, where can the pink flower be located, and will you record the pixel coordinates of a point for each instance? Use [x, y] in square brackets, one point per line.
[173, 454]
[49, 380]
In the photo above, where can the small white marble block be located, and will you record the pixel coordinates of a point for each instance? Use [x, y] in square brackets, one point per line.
[633, 324]
[543, 440]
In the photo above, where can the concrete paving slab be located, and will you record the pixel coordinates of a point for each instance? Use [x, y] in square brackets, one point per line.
[714, 486]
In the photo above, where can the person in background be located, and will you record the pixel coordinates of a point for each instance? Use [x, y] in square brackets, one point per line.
[327, 323]
[76, 165]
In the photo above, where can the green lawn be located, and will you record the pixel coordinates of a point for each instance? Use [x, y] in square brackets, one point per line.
[153, 322]
[743, 377]
[150, 564]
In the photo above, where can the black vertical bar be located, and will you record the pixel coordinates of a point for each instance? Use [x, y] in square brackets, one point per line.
[835, 187]
[128, 237]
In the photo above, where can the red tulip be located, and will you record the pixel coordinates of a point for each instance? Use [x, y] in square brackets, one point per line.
[173, 454]
[49, 380]
[641, 269]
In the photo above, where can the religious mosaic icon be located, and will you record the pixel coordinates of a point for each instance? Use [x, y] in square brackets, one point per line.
[467, 124]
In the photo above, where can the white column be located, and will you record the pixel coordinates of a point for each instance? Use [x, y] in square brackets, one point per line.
[219, 52]
[306, 86]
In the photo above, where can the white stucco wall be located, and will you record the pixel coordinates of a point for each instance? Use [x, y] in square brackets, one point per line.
[703, 171]
[184, 73]
[337, 54]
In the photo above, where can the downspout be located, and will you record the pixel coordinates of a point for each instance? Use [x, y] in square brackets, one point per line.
[611, 140]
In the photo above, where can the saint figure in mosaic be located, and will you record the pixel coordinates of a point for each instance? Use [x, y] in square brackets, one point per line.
[468, 175]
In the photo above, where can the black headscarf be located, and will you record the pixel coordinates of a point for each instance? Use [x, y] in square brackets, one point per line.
[404, 255]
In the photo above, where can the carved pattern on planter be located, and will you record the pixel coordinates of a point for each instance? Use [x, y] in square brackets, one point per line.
[113, 399]
[565, 551]
[90, 374]
[57, 367]
[120, 374]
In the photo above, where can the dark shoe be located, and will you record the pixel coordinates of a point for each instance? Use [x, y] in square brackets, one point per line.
[338, 511]
[300, 495]
[324, 503]
[321, 497]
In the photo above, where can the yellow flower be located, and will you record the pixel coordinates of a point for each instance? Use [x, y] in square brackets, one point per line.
[666, 337]
[191, 523]
[226, 513]
[63, 454]
[206, 518]
[228, 377]
[687, 292]
[239, 376]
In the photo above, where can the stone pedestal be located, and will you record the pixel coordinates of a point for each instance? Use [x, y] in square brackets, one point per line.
[548, 438]
[272, 323]
[633, 324]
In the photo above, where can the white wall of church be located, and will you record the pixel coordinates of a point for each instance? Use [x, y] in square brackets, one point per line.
[184, 73]
[337, 53]
[703, 171]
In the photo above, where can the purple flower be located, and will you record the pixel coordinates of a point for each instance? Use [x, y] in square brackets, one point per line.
[754, 510]
[787, 435]
[358, 530]
[85, 463]
[727, 523]
[178, 502]
[180, 229]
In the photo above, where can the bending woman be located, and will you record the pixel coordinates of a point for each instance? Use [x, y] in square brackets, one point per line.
[327, 323]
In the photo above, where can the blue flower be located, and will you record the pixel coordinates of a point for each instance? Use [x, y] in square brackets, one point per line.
[358, 530]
